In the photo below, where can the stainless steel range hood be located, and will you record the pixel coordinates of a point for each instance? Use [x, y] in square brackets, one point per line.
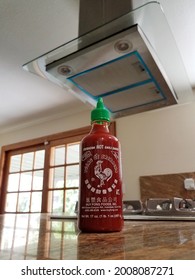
[132, 62]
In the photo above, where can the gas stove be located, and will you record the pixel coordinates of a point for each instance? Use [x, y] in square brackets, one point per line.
[154, 209]
[175, 208]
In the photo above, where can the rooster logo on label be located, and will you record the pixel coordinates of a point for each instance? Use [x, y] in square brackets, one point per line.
[102, 174]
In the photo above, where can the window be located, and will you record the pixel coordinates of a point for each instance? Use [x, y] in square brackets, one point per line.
[42, 175]
[64, 178]
[25, 182]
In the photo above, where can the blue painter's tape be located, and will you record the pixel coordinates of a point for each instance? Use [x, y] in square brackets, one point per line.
[151, 79]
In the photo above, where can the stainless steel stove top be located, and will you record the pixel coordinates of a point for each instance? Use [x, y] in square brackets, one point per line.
[154, 209]
[178, 209]
[157, 218]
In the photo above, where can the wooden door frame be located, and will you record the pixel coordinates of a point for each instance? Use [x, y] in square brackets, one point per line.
[71, 135]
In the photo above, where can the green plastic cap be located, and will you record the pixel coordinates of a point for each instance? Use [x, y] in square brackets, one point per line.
[100, 113]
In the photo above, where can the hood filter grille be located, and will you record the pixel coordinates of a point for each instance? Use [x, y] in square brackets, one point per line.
[124, 83]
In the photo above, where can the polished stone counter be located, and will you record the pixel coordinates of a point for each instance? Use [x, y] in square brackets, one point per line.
[38, 237]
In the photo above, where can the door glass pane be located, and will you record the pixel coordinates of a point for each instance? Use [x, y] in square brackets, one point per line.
[39, 159]
[59, 155]
[11, 200]
[26, 181]
[37, 180]
[15, 163]
[70, 201]
[57, 177]
[73, 153]
[24, 202]
[57, 201]
[72, 176]
[13, 182]
[36, 199]
[27, 161]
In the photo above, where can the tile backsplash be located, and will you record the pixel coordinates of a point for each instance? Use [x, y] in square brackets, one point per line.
[166, 186]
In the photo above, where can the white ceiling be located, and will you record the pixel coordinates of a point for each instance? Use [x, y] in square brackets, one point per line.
[29, 28]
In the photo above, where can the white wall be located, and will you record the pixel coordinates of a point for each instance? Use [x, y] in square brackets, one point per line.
[46, 128]
[155, 142]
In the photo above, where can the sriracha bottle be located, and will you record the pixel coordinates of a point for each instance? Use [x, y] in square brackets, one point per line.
[100, 194]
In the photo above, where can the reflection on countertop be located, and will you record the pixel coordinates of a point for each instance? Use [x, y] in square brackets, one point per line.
[34, 236]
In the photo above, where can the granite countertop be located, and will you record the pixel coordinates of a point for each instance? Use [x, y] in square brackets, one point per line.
[39, 237]
[141, 240]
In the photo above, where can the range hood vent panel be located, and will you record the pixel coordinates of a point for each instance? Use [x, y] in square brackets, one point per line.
[113, 75]
[126, 82]
[123, 61]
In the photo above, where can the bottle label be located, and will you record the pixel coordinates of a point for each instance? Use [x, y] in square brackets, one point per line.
[101, 182]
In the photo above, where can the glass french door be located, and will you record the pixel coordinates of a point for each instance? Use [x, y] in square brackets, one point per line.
[64, 178]
[32, 181]
[25, 182]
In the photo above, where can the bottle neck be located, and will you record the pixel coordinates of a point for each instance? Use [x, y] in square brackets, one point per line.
[100, 126]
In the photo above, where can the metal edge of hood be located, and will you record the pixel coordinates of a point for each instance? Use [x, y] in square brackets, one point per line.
[149, 21]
